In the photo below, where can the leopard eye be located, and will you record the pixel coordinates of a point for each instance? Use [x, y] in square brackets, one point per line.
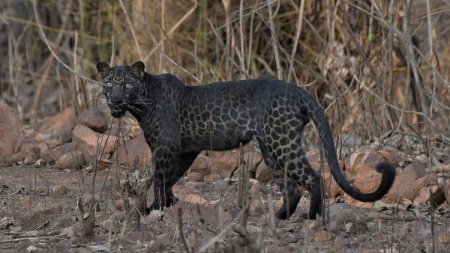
[128, 86]
[108, 84]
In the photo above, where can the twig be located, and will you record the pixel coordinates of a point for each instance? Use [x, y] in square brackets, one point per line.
[173, 29]
[439, 169]
[242, 39]
[433, 236]
[274, 42]
[133, 33]
[223, 232]
[47, 43]
[248, 241]
[60, 237]
[430, 45]
[297, 37]
[180, 227]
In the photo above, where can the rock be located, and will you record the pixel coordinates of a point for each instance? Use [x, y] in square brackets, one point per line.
[357, 227]
[136, 147]
[195, 176]
[362, 166]
[389, 155]
[196, 213]
[223, 163]
[32, 154]
[433, 194]
[419, 184]
[314, 160]
[252, 160]
[52, 155]
[134, 131]
[94, 119]
[340, 214]
[199, 168]
[72, 160]
[59, 190]
[16, 159]
[263, 173]
[331, 187]
[357, 203]
[196, 199]
[404, 182]
[59, 140]
[212, 178]
[443, 238]
[60, 124]
[447, 190]
[31, 249]
[86, 139]
[323, 236]
[162, 242]
[10, 131]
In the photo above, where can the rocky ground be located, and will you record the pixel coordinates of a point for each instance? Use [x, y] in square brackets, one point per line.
[71, 185]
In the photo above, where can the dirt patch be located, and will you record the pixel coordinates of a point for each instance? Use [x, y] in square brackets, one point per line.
[37, 216]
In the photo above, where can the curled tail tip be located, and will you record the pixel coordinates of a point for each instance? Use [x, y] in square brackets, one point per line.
[385, 168]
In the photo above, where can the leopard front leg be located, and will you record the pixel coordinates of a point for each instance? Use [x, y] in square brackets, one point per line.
[170, 166]
[165, 166]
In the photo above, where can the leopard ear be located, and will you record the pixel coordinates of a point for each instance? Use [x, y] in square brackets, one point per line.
[103, 68]
[138, 68]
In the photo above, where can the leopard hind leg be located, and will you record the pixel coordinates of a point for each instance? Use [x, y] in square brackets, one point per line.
[309, 179]
[292, 172]
[289, 189]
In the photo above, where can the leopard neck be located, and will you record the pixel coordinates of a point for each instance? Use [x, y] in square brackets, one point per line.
[145, 105]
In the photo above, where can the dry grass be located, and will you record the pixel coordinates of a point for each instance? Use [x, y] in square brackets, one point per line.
[369, 63]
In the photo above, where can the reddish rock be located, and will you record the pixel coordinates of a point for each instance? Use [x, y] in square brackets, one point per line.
[59, 190]
[331, 187]
[323, 236]
[213, 177]
[60, 124]
[263, 173]
[314, 160]
[32, 154]
[199, 168]
[72, 160]
[195, 176]
[362, 166]
[134, 131]
[16, 159]
[357, 203]
[433, 194]
[419, 184]
[10, 131]
[222, 165]
[52, 155]
[58, 141]
[136, 147]
[252, 160]
[195, 199]
[86, 139]
[94, 119]
[389, 155]
[403, 184]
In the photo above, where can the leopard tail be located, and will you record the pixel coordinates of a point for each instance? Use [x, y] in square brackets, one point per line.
[315, 112]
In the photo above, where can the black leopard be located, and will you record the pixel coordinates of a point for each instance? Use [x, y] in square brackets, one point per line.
[179, 121]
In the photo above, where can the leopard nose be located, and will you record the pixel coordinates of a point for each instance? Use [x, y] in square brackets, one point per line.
[115, 99]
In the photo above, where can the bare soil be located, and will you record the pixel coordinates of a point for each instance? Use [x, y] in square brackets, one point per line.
[39, 214]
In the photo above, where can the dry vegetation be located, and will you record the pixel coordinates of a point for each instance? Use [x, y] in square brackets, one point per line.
[379, 68]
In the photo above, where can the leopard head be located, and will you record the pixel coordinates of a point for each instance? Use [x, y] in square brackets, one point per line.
[122, 85]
